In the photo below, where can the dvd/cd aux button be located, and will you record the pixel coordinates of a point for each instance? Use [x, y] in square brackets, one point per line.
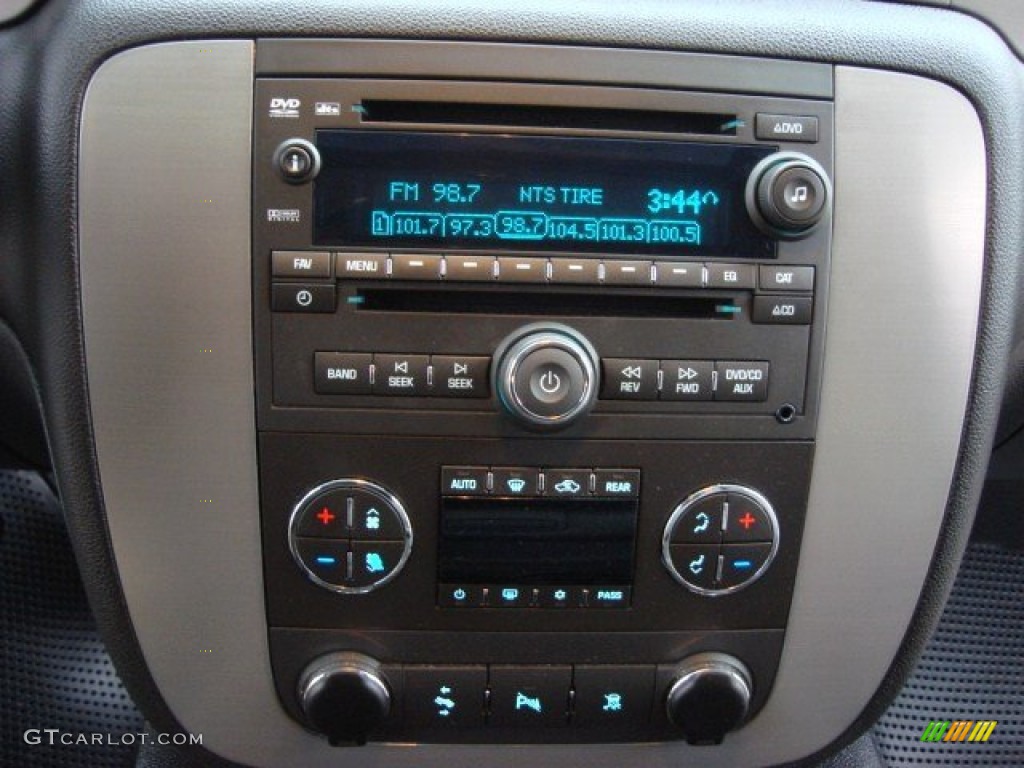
[629, 379]
[400, 374]
[738, 276]
[341, 373]
[361, 266]
[310, 264]
[679, 274]
[619, 272]
[741, 381]
[415, 266]
[575, 271]
[478, 269]
[512, 269]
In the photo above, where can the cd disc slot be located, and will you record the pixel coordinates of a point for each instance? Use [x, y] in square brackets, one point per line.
[539, 116]
[546, 302]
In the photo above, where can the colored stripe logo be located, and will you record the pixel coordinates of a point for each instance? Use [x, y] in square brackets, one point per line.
[958, 730]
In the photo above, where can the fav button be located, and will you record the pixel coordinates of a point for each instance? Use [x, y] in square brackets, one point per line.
[300, 263]
[341, 373]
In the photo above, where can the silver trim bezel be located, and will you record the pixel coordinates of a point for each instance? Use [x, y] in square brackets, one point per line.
[684, 506]
[363, 485]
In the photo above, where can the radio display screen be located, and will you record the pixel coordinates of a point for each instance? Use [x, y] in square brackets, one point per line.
[535, 193]
[537, 541]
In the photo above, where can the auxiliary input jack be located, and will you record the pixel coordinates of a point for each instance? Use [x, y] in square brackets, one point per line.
[786, 413]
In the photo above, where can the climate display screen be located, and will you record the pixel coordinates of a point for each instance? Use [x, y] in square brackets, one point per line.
[537, 541]
[526, 193]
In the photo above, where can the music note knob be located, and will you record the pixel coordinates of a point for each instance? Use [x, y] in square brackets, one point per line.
[788, 195]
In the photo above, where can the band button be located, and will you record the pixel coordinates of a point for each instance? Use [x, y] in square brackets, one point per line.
[341, 373]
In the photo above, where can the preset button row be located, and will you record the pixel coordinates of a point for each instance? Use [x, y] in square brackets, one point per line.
[723, 380]
[355, 373]
[535, 482]
[591, 270]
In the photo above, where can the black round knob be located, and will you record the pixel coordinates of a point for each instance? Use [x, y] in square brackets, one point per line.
[297, 160]
[788, 195]
[344, 696]
[709, 697]
[546, 375]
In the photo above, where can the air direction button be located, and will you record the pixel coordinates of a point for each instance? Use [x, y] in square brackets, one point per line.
[697, 565]
[373, 519]
[742, 381]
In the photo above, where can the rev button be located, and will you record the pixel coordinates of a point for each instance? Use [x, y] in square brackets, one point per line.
[630, 379]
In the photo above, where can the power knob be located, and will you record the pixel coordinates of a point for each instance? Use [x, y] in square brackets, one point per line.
[344, 696]
[788, 194]
[709, 697]
[546, 375]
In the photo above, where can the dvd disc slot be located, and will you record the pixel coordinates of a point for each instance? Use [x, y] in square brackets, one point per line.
[538, 116]
[547, 303]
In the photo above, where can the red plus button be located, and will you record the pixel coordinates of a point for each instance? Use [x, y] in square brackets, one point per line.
[746, 520]
[325, 517]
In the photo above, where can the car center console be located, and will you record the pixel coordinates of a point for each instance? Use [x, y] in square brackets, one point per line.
[603, 403]
[538, 364]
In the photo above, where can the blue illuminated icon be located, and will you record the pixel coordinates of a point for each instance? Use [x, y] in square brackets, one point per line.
[743, 565]
[516, 485]
[459, 594]
[612, 702]
[568, 486]
[510, 594]
[372, 520]
[444, 702]
[560, 595]
[697, 565]
[374, 563]
[325, 560]
[528, 702]
[703, 521]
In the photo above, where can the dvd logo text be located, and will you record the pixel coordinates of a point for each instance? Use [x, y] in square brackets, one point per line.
[283, 107]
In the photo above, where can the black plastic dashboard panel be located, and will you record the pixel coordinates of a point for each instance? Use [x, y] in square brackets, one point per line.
[941, 46]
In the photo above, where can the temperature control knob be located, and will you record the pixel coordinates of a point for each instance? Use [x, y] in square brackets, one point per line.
[788, 195]
[546, 375]
[344, 696]
[710, 696]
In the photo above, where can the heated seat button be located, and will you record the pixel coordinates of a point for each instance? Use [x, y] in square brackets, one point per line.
[746, 521]
[701, 523]
[697, 565]
[627, 379]
[613, 697]
[741, 563]
[460, 376]
[341, 373]
[400, 374]
[325, 516]
[442, 697]
[530, 696]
